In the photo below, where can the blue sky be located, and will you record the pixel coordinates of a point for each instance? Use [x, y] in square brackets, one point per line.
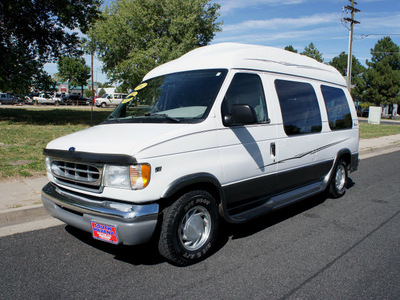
[279, 23]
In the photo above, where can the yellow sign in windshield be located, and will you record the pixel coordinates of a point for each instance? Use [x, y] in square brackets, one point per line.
[130, 97]
[140, 86]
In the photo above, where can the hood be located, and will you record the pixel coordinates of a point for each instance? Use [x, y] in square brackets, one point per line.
[124, 138]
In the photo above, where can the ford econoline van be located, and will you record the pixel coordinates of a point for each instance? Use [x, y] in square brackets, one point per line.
[226, 133]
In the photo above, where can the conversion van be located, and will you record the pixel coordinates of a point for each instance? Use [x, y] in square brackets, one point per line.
[230, 132]
[112, 99]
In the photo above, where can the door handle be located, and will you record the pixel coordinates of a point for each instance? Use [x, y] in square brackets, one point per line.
[273, 149]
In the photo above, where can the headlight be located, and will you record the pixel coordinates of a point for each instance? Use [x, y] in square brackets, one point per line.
[127, 177]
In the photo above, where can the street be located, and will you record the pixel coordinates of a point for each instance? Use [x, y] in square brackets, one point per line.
[319, 248]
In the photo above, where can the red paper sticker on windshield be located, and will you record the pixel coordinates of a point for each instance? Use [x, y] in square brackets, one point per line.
[105, 233]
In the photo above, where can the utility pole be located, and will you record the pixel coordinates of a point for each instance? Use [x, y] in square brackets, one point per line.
[351, 20]
[92, 100]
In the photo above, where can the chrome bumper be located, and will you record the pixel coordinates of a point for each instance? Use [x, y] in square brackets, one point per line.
[135, 224]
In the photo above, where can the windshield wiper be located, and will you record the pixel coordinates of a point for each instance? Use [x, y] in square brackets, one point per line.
[162, 115]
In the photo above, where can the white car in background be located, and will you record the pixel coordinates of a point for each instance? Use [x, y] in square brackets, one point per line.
[43, 98]
[110, 99]
[58, 98]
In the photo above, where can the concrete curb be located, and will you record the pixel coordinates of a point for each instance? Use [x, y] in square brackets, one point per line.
[21, 214]
[369, 150]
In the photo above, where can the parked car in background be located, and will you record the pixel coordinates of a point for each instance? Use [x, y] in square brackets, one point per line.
[58, 98]
[29, 98]
[365, 113]
[362, 112]
[7, 98]
[110, 99]
[75, 100]
[43, 98]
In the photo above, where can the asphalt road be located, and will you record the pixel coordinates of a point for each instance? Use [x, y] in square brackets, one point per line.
[348, 248]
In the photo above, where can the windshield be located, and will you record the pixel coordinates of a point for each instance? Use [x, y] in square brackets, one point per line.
[178, 97]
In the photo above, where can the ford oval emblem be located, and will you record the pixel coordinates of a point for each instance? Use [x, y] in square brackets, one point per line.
[72, 149]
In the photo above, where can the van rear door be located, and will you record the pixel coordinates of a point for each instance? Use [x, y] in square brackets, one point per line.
[301, 150]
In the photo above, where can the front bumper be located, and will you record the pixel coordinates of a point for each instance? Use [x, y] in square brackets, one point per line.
[135, 224]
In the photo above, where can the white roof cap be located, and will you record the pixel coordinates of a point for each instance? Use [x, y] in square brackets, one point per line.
[242, 56]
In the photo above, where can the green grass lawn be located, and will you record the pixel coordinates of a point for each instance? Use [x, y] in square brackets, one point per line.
[369, 131]
[25, 132]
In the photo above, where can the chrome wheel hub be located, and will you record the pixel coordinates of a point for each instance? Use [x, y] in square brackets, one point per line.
[195, 228]
[340, 178]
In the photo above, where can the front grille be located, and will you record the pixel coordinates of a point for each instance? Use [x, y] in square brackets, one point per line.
[77, 174]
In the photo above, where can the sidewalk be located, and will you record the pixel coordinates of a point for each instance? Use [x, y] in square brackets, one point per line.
[20, 199]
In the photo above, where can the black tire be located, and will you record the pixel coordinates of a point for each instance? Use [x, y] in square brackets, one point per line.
[56, 103]
[339, 179]
[103, 105]
[189, 228]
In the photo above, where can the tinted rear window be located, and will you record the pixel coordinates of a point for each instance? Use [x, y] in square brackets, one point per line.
[299, 106]
[339, 115]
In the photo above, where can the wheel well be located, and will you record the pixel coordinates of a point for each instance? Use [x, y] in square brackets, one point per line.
[205, 186]
[346, 156]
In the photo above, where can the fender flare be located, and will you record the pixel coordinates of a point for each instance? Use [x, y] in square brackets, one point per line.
[192, 179]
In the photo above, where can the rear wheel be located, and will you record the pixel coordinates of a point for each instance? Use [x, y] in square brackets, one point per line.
[337, 187]
[189, 229]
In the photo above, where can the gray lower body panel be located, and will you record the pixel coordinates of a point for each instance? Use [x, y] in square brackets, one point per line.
[134, 224]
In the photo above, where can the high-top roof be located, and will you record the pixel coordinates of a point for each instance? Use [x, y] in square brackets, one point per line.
[250, 57]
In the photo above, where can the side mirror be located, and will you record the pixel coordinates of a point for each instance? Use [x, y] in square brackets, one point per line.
[242, 114]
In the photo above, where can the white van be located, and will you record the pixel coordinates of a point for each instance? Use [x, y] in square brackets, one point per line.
[231, 133]
[110, 99]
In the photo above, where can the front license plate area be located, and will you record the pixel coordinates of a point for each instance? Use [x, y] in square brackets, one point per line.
[106, 233]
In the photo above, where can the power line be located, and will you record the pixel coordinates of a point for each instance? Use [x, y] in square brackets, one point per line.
[383, 52]
[363, 36]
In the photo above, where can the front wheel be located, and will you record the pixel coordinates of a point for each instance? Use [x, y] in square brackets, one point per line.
[337, 187]
[189, 229]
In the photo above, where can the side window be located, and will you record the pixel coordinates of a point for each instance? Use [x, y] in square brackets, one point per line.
[246, 89]
[339, 115]
[299, 106]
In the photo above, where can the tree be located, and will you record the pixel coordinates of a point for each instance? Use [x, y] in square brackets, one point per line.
[382, 78]
[312, 52]
[33, 33]
[73, 70]
[134, 36]
[88, 93]
[102, 92]
[291, 49]
[357, 70]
